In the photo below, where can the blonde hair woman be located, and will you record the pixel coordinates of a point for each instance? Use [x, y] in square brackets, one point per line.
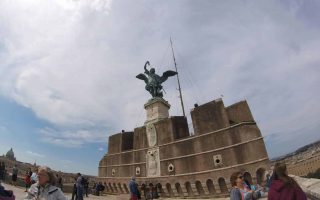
[45, 187]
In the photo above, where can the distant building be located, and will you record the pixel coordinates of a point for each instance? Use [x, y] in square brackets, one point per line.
[10, 155]
[303, 161]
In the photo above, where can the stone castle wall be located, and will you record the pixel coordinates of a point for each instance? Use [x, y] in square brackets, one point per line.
[225, 140]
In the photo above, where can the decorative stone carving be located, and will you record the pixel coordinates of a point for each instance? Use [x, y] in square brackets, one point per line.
[137, 170]
[151, 134]
[217, 160]
[113, 172]
[170, 168]
[153, 162]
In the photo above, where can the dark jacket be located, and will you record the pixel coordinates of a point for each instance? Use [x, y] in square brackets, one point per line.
[5, 193]
[278, 191]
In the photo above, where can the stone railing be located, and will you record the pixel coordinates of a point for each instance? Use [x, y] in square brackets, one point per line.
[310, 186]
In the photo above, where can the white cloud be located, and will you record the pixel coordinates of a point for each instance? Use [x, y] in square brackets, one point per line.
[35, 154]
[72, 138]
[73, 63]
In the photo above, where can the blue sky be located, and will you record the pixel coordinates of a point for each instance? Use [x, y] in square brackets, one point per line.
[67, 70]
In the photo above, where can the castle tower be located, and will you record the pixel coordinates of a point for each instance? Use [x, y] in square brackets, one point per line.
[162, 152]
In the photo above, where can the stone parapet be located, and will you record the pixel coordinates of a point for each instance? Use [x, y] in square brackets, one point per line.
[310, 186]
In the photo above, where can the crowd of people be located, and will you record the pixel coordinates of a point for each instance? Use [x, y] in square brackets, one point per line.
[44, 184]
[279, 186]
[81, 188]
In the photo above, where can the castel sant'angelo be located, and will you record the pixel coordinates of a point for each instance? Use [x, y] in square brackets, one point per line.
[164, 154]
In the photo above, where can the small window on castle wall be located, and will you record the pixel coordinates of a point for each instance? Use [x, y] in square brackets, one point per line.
[217, 160]
[170, 167]
[137, 170]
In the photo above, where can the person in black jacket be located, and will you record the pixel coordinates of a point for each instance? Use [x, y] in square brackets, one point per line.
[86, 186]
[5, 193]
[74, 190]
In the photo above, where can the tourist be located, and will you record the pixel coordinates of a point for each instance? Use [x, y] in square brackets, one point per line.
[239, 191]
[14, 175]
[45, 187]
[105, 186]
[34, 177]
[99, 188]
[283, 186]
[133, 186]
[60, 182]
[74, 190]
[268, 182]
[93, 189]
[6, 194]
[2, 170]
[86, 186]
[247, 182]
[80, 184]
[27, 179]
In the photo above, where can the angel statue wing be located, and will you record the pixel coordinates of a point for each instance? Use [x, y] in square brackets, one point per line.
[167, 74]
[142, 77]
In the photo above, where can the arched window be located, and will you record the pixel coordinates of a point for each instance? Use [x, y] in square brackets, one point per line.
[125, 188]
[199, 188]
[115, 187]
[223, 185]
[170, 192]
[179, 189]
[111, 188]
[189, 189]
[210, 187]
[260, 175]
[120, 188]
[247, 177]
[160, 189]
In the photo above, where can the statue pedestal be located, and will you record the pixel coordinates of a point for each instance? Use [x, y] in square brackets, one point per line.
[157, 109]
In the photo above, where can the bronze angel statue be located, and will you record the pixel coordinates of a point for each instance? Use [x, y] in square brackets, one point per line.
[153, 81]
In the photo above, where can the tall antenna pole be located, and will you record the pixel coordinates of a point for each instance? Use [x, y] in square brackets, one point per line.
[175, 65]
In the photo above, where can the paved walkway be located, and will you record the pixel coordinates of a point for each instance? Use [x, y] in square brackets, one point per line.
[20, 193]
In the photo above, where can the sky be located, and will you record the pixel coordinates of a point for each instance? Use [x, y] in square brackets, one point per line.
[68, 67]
